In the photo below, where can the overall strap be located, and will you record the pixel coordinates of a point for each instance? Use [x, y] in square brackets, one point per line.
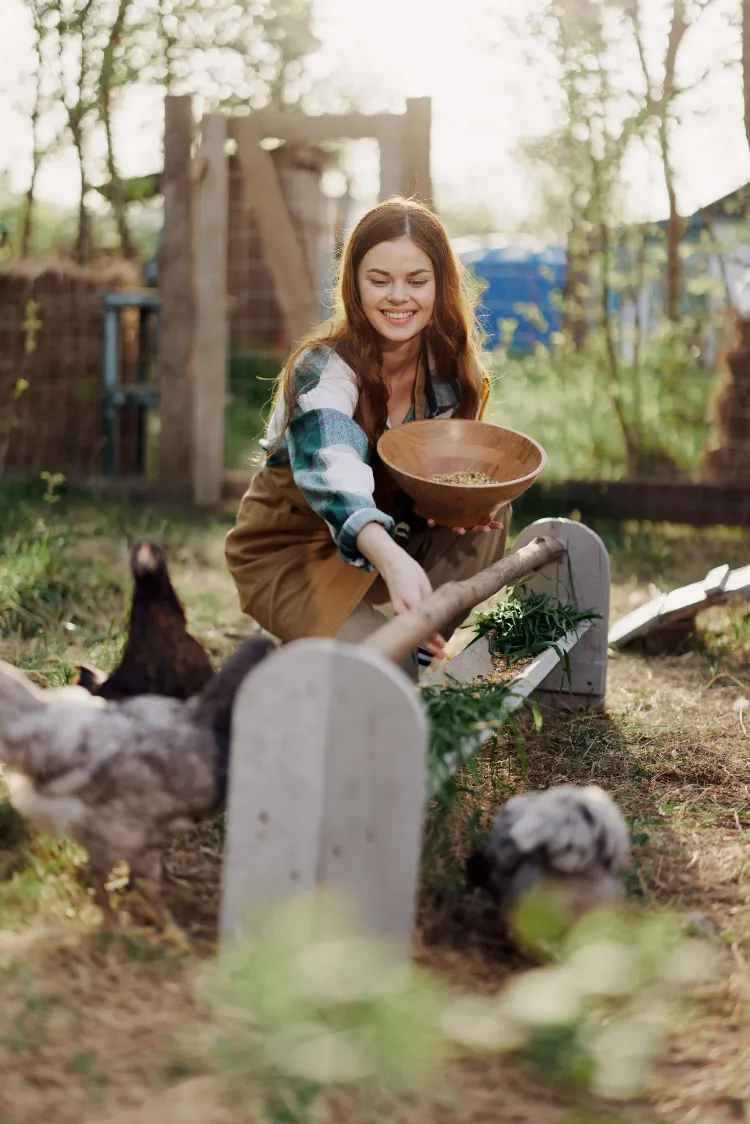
[419, 386]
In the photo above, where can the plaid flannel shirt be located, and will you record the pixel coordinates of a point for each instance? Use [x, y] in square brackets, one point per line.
[328, 451]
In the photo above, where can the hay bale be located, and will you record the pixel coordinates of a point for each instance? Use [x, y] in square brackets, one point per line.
[51, 337]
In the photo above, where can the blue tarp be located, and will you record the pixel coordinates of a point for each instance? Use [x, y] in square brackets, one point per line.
[517, 276]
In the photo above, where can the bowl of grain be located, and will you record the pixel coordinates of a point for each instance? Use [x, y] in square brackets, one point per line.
[459, 472]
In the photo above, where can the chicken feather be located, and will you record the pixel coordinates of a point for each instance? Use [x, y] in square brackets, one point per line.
[117, 776]
[570, 837]
[160, 657]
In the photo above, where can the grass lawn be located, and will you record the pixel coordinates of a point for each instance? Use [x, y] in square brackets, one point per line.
[92, 1027]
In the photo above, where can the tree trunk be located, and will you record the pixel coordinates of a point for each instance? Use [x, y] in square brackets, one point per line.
[659, 103]
[27, 230]
[677, 30]
[83, 237]
[117, 193]
[605, 314]
[577, 281]
[746, 63]
[28, 213]
[673, 300]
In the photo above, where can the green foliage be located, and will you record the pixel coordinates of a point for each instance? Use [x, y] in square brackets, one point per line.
[308, 1006]
[461, 719]
[602, 1011]
[465, 219]
[252, 378]
[524, 623]
[90, 51]
[563, 396]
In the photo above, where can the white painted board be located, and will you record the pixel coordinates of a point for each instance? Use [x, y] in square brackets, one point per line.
[327, 786]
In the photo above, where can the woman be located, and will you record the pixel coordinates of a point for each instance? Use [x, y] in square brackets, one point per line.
[324, 544]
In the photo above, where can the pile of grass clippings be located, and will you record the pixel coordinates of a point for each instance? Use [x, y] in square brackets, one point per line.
[463, 717]
[525, 623]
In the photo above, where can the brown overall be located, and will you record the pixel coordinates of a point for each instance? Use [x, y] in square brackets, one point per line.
[292, 580]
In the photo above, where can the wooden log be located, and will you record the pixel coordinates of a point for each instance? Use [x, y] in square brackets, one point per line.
[406, 632]
[211, 335]
[580, 575]
[176, 286]
[327, 786]
[281, 247]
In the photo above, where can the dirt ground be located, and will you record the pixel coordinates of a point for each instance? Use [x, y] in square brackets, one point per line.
[97, 1028]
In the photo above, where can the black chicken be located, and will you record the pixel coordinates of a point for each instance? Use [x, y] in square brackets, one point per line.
[160, 657]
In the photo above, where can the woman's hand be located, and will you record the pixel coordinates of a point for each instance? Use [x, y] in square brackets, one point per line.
[406, 581]
[408, 585]
[492, 525]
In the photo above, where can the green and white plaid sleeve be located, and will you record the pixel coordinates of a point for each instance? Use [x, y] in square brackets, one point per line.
[328, 451]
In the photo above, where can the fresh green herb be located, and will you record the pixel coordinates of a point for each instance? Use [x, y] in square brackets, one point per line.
[465, 716]
[526, 623]
[461, 719]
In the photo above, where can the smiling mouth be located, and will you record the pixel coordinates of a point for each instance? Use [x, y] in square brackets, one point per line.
[398, 317]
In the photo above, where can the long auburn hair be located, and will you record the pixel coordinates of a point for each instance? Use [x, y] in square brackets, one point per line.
[453, 333]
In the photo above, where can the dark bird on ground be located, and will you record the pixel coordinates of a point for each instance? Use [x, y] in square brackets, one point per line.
[89, 677]
[160, 657]
[120, 777]
[568, 839]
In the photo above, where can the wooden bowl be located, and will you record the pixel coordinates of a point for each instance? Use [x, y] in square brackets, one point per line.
[417, 451]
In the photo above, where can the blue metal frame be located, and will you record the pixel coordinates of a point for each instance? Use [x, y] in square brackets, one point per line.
[114, 395]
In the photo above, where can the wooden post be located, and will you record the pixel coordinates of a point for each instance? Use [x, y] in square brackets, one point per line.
[327, 786]
[582, 574]
[176, 286]
[390, 139]
[416, 142]
[281, 248]
[211, 331]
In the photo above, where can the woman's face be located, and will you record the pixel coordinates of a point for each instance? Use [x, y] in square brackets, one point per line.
[396, 283]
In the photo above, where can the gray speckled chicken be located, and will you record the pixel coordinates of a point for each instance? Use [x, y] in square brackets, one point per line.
[120, 777]
[569, 837]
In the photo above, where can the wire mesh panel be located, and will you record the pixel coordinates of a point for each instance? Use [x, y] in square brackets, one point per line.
[51, 340]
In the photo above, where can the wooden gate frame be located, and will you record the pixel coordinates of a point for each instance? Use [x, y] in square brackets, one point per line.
[194, 346]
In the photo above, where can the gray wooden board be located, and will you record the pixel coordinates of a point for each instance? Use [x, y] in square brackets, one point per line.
[586, 562]
[719, 586]
[176, 321]
[418, 123]
[475, 661]
[210, 326]
[390, 138]
[315, 128]
[328, 781]
[281, 246]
